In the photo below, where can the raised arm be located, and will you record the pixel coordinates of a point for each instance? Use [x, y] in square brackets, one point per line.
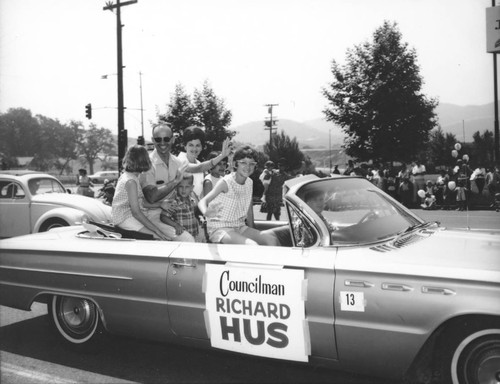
[209, 164]
[220, 187]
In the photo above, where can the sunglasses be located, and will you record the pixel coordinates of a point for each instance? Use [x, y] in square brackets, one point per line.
[160, 139]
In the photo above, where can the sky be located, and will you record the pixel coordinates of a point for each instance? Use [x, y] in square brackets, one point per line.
[53, 54]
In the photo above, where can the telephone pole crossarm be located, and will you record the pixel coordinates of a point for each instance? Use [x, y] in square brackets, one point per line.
[109, 5]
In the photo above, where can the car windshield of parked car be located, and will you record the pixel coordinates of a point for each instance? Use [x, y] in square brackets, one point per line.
[43, 185]
[355, 211]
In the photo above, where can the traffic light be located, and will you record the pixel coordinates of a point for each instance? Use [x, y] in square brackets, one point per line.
[88, 111]
[140, 140]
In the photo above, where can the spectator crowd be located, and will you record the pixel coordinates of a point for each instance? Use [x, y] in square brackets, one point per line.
[460, 187]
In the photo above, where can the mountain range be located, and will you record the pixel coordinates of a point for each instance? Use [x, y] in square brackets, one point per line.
[461, 121]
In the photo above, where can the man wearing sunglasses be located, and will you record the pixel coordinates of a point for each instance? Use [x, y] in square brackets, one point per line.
[167, 170]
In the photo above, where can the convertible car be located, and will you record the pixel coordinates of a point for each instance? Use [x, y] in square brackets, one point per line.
[358, 283]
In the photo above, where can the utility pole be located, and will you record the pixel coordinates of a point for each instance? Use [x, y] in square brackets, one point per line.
[270, 124]
[142, 110]
[492, 37]
[495, 98]
[122, 132]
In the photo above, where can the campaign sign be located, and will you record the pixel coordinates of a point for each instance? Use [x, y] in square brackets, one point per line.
[257, 310]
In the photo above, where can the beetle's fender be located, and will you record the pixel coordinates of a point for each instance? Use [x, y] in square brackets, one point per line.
[70, 215]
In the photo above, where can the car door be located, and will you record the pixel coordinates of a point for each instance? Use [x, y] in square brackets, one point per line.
[14, 209]
[382, 311]
[266, 301]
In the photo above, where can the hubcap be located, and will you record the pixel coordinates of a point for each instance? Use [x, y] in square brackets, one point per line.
[488, 371]
[77, 314]
[477, 358]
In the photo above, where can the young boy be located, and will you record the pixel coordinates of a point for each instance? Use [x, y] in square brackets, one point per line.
[179, 209]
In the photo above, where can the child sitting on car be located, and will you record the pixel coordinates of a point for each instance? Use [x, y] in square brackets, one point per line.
[228, 206]
[128, 207]
[179, 209]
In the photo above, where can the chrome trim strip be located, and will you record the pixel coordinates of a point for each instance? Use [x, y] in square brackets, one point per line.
[358, 283]
[396, 287]
[438, 290]
[67, 273]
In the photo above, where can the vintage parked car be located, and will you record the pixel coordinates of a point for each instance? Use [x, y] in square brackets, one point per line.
[359, 283]
[99, 177]
[36, 202]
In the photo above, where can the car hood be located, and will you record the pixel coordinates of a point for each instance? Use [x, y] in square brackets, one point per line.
[461, 249]
[95, 208]
[442, 253]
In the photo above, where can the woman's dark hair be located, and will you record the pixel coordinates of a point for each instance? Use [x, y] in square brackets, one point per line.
[245, 152]
[136, 159]
[193, 133]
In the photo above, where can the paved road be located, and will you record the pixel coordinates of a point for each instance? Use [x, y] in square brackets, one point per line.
[30, 354]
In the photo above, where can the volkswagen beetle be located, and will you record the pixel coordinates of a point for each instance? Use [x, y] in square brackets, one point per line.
[36, 202]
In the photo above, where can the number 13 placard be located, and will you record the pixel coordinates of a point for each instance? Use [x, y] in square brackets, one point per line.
[352, 301]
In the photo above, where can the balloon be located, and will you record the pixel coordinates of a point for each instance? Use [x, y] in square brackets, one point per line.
[465, 157]
[458, 146]
[452, 185]
[421, 193]
[454, 153]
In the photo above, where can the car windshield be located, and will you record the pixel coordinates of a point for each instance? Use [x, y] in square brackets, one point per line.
[355, 211]
[43, 185]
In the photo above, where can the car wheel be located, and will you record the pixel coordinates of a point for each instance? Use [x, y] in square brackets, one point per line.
[477, 358]
[76, 319]
[53, 223]
[472, 357]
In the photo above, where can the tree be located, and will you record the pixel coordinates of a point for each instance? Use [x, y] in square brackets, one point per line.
[211, 113]
[19, 133]
[180, 111]
[205, 109]
[483, 148]
[440, 147]
[287, 148]
[376, 98]
[94, 142]
[67, 142]
[55, 141]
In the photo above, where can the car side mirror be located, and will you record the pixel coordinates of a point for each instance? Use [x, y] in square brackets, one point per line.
[68, 190]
